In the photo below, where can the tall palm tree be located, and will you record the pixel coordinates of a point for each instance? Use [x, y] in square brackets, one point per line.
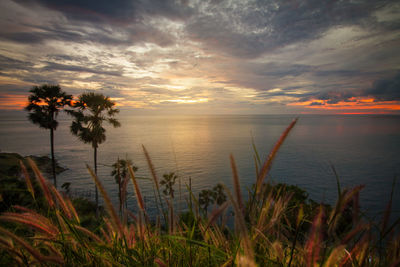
[92, 111]
[45, 102]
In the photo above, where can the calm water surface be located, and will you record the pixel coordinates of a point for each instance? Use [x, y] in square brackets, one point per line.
[363, 149]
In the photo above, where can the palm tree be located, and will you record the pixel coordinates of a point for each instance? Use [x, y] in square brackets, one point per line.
[205, 199]
[45, 102]
[218, 194]
[92, 111]
[168, 182]
[120, 174]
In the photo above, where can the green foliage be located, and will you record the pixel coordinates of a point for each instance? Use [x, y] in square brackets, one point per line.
[120, 169]
[120, 173]
[13, 189]
[168, 182]
[208, 197]
[205, 199]
[218, 194]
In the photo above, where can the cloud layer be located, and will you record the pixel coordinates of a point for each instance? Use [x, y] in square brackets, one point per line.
[205, 56]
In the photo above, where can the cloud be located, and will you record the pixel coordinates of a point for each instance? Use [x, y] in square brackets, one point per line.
[282, 70]
[385, 89]
[381, 90]
[119, 12]
[55, 66]
[7, 63]
[250, 28]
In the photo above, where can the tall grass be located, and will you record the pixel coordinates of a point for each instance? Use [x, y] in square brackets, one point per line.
[272, 228]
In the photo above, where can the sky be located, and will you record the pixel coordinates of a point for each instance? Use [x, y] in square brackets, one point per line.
[206, 56]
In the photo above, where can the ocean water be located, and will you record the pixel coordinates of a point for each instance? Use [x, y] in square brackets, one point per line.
[364, 149]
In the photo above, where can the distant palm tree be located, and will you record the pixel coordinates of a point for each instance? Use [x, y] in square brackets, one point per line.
[218, 194]
[120, 174]
[205, 199]
[45, 102]
[92, 110]
[168, 182]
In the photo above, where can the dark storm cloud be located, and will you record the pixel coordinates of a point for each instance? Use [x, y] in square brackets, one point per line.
[251, 29]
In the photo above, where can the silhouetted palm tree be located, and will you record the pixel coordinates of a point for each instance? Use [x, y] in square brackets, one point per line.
[92, 111]
[45, 102]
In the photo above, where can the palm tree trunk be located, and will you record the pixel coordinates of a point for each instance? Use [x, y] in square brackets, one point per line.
[95, 171]
[53, 161]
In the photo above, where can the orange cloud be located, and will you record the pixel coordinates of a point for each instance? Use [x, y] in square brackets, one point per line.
[354, 105]
[13, 102]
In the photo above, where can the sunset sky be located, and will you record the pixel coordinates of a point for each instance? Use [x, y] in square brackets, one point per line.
[229, 57]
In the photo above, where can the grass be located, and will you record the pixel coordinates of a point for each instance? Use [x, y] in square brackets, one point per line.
[276, 226]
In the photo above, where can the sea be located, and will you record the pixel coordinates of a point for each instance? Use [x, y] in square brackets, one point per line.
[362, 149]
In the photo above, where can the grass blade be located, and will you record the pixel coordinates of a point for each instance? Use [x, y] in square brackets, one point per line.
[42, 182]
[268, 163]
[113, 215]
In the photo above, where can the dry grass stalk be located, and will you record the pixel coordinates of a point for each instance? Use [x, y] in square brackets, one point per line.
[71, 207]
[245, 240]
[343, 202]
[216, 213]
[89, 233]
[113, 215]
[314, 242]
[42, 182]
[61, 202]
[27, 179]
[267, 164]
[106, 235]
[32, 220]
[151, 167]
[236, 184]
[159, 262]
[32, 251]
[136, 188]
[336, 256]
[61, 224]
